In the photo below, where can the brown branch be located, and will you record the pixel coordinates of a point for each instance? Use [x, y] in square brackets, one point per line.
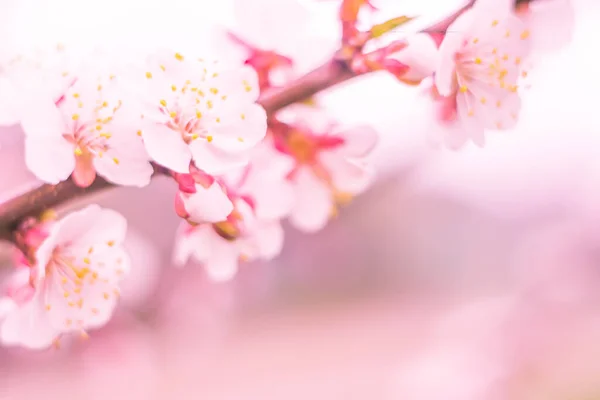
[33, 202]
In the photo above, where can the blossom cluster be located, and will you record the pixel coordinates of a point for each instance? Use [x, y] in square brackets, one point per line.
[239, 172]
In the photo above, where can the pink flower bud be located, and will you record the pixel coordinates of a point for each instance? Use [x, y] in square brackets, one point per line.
[186, 183]
[395, 67]
[412, 60]
[200, 177]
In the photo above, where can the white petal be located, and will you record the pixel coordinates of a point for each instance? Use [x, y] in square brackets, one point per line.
[92, 226]
[214, 161]
[359, 141]
[445, 72]
[28, 326]
[239, 129]
[187, 239]
[223, 262]
[167, 148]
[127, 163]
[313, 204]
[51, 159]
[421, 56]
[350, 176]
[269, 239]
[273, 199]
[208, 204]
[42, 118]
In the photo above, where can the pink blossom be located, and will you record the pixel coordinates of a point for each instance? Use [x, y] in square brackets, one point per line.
[259, 196]
[23, 74]
[280, 39]
[479, 67]
[74, 284]
[415, 60]
[329, 164]
[83, 131]
[200, 110]
[221, 246]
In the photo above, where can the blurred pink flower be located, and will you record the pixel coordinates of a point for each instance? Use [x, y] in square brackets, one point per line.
[220, 247]
[479, 67]
[280, 39]
[84, 131]
[201, 110]
[259, 196]
[329, 163]
[75, 280]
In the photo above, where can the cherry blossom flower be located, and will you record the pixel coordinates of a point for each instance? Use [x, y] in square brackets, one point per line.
[74, 283]
[84, 131]
[479, 69]
[260, 196]
[22, 74]
[280, 39]
[200, 110]
[221, 246]
[329, 164]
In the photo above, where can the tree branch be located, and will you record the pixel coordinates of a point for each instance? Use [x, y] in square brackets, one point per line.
[35, 201]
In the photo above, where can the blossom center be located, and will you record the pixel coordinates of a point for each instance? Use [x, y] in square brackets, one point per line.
[302, 147]
[232, 228]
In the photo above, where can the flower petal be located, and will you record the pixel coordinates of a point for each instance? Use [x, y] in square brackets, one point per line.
[51, 159]
[222, 265]
[42, 119]
[358, 141]
[214, 161]
[313, 202]
[238, 129]
[187, 240]
[127, 163]
[28, 326]
[269, 239]
[347, 175]
[167, 148]
[453, 40]
[207, 204]
[420, 55]
[91, 226]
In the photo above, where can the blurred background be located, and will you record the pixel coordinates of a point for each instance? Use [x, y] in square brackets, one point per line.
[457, 276]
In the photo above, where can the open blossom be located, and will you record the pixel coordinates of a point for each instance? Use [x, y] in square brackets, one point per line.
[259, 196]
[479, 68]
[22, 75]
[220, 247]
[200, 110]
[329, 164]
[278, 39]
[84, 131]
[74, 283]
